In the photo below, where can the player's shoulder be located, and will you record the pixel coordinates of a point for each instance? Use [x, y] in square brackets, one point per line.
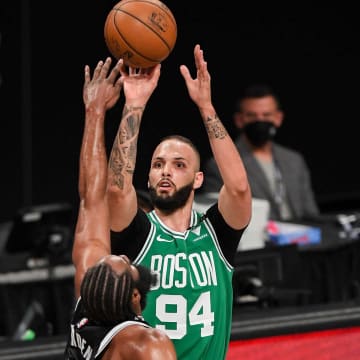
[143, 343]
[145, 334]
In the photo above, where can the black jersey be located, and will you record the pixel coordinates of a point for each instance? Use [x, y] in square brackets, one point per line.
[87, 339]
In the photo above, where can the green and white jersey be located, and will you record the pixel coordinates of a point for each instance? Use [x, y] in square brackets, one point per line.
[193, 298]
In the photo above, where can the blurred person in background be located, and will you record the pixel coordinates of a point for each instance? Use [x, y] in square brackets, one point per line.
[276, 173]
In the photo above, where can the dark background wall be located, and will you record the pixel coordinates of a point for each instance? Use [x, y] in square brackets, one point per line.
[309, 55]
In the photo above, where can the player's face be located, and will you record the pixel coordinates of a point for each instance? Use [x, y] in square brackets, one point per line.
[174, 174]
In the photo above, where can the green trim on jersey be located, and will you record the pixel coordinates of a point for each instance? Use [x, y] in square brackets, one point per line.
[193, 298]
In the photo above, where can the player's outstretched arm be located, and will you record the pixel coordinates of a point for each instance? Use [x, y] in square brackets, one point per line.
[235, 195]
[91, 242]
[139, 84]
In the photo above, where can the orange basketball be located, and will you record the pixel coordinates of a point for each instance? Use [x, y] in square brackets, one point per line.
[142, 32]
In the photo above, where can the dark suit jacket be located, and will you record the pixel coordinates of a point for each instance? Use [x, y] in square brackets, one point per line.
[295, 174]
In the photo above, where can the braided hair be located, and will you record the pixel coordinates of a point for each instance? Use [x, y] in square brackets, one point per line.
[106, 295]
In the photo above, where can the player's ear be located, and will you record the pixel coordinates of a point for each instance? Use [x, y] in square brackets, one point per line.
[135, 294]
[199, 178]
[135, 300]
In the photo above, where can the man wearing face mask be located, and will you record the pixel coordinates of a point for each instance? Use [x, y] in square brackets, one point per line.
[275, 173]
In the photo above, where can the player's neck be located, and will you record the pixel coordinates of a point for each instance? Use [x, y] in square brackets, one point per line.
[179, 220]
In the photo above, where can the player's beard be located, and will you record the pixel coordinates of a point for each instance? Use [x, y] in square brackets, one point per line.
[170, 203]
[146, 280]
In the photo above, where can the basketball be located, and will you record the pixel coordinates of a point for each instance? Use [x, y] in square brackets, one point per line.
[141, 32]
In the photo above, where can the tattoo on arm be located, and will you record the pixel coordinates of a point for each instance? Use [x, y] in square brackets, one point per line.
[123, 154]
[215, 128]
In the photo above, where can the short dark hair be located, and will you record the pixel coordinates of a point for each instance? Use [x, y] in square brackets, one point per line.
[185, 140]
[106, 295]
[182, 139]
[256, 91]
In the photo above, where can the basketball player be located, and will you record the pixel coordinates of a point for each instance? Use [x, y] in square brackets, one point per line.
[192, 253]
[107, 322]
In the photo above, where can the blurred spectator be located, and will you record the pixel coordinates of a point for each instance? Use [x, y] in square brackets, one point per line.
[276, 173]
